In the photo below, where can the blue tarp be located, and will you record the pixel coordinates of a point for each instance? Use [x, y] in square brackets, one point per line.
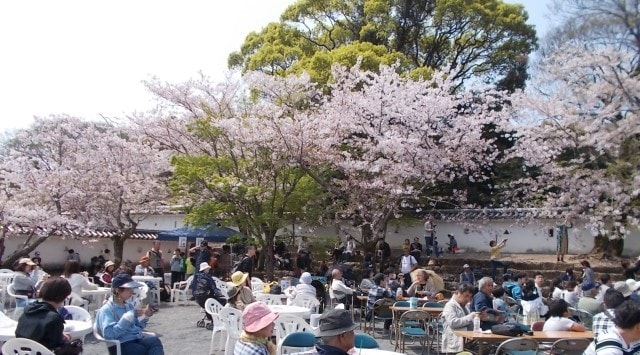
[212, 234]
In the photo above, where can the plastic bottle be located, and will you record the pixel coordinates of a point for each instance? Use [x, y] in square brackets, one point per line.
[399, 293]
[413, 303]
[476, 324]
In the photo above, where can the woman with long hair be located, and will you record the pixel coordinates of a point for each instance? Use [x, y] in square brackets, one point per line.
[78, 282]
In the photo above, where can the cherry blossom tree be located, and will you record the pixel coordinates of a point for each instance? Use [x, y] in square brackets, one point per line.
[580, 136]
[65, 176]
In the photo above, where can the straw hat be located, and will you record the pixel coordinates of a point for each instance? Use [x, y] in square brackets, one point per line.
[239, 278]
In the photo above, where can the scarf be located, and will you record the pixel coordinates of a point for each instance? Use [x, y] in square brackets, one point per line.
[266, 342]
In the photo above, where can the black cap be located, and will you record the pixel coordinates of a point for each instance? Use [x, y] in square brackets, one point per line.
[335, 322]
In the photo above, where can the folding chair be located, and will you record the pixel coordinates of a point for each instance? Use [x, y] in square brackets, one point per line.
[569, 346]
[413, 324]
[521, 345]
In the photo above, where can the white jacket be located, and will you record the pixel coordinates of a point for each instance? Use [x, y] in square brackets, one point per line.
[455, 317]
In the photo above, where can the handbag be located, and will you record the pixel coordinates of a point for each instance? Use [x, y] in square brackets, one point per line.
[72, 348]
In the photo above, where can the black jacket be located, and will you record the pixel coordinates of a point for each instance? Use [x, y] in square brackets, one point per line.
[42, 323]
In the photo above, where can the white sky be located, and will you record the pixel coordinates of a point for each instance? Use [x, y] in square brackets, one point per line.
[86, 58]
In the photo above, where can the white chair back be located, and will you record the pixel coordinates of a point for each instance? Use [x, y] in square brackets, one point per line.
[18, 310]
[213, 307]
[232, 320]
[6, 271]
[109, 342]
[269, 299]
[306, 301]
[257, 286]
[24, 346]
[289, 323]
[222, 286]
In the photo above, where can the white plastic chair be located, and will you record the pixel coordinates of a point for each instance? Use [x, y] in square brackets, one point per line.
[232, 320]
[12, 293]
[289, 323]
[222, 286]
[79, 314]
[257, 286]
[6, 271]
[24, 346]
[181, 291]
[269, 299]
[213, 307]
[110, 342]
[306, 301]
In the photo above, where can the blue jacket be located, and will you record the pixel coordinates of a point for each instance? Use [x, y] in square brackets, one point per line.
[113, 325]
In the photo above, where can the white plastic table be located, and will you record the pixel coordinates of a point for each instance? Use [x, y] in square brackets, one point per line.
[76, 328]
[99, 295]
[295, 310]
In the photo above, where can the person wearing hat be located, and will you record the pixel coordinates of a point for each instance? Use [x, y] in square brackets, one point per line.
[23, 283]
[119, 320]
[41, 321]
[337, 332]
[378, 292]
[144, 268]
[107, 273]
[206, 287]
[233, 297]
[258, 324]
[467, 276]
[241, 281]
[588, 300]
[302, 288]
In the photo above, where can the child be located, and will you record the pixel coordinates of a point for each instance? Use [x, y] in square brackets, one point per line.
[453, 244]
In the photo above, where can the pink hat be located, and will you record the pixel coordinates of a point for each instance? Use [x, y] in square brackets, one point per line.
[257, 316]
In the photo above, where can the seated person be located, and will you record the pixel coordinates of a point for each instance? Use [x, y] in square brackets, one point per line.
[467, 276]
[421, 287]
[339, 290]
[559, 318]
[337, 332]
[367, 282]
[378, 292]
[456, 317]
[41, 321]
[117, 319]
[452, 246]
[483, 303]
[107, 274]
[206, 287]
[78, 282]
[144, 268]
[570, 294]
[303, 288]
[242, 282]
[258, 323]
[558, 289]
[500, 304]
[23, 283]
[233, 297]
[624, 337]
[532, 306]
[514, 288]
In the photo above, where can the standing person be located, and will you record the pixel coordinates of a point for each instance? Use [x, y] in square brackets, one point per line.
[496, 251]
[349, 249]
[562, 237]
[384, 252]
[245, 264]
[407, 264]
[73, 256]
[588, 276]
[429, 234]
[183, 266]
[119, 320]
[37, 259]
[41, 321]
[155, 259]
[258, 324]
[416, 249]
[176, 266]
[457, 317]
[337, 332]
[467, 276]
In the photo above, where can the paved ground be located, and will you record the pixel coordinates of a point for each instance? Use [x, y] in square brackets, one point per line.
[176, 326]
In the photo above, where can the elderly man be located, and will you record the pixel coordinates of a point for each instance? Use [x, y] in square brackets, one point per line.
[339, 290]
[456, 317]
[482, 302]
[337, 332]
[588, 300]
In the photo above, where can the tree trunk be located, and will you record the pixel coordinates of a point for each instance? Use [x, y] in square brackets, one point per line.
[27, 248]
[118, 249]
[268, 253]
[606, 247]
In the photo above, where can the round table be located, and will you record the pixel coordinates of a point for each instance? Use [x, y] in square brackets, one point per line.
[99, 295]
[77, 330]
[295, 310]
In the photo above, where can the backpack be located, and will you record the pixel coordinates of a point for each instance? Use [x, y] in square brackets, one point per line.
[510, 330]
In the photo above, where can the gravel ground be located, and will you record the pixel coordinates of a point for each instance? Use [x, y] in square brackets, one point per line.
[176, 326]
